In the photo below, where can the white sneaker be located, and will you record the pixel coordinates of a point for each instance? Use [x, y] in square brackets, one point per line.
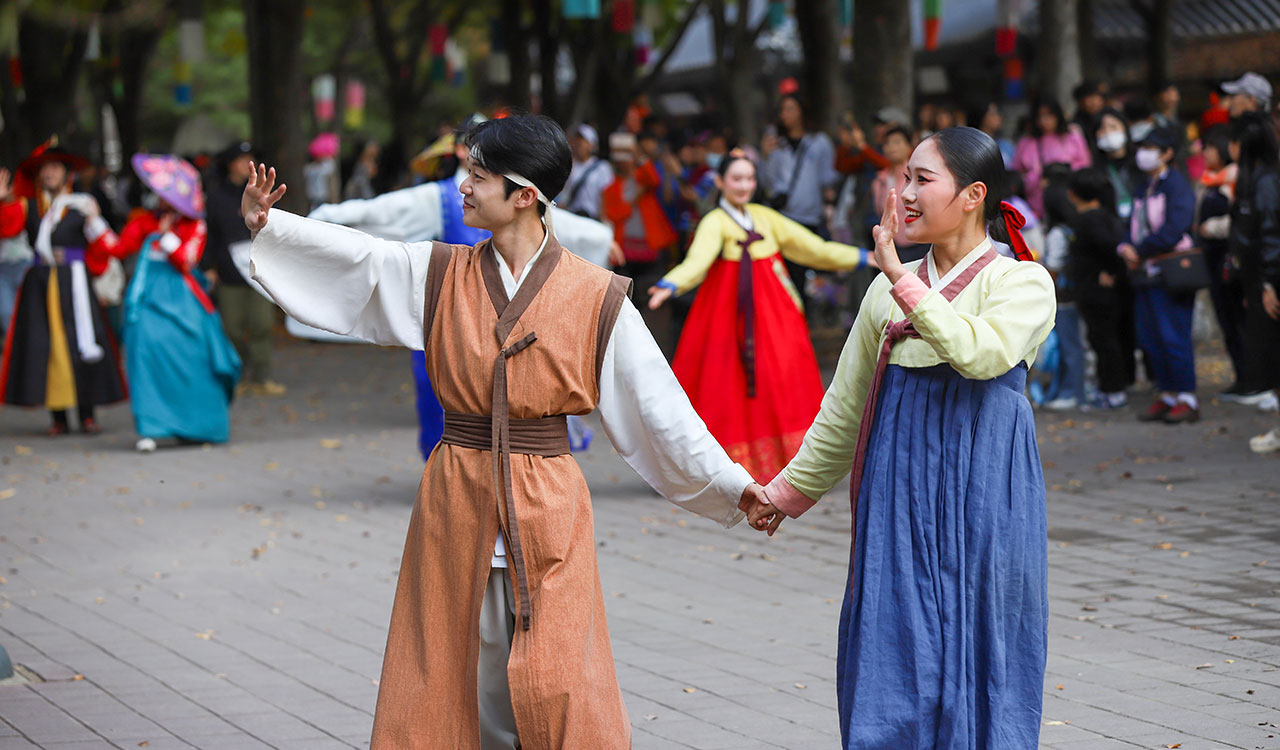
[1061, 404]
[1266, 443]
[1270, 404]
[146, 445]
[1250, 399]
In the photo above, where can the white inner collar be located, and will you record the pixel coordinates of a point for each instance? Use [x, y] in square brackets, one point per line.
[959, 268]
[742, 217]
[510, 283]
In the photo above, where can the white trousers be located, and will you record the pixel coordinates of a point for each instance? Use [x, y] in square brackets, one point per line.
[497, 627]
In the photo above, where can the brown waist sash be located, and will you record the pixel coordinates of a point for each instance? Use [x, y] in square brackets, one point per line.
[547, 436]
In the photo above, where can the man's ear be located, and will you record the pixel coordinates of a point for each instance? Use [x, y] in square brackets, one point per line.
[525, 197]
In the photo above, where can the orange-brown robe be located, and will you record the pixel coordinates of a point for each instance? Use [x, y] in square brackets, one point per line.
[564, 690]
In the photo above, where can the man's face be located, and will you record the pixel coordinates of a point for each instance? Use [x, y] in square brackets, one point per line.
[52, 176]
[1238, 104]
[581, 148]
[485, 204]
[1092, 104]
[238, 170]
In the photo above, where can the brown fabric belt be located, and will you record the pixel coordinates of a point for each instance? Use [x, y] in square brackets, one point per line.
[547, 436]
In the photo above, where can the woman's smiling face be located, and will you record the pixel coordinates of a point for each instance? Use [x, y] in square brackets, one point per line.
[935, 205]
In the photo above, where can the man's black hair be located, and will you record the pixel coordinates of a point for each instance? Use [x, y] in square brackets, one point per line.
[532, 146]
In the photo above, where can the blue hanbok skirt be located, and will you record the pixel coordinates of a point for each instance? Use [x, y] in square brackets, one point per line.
[943, 633]
[182, 368]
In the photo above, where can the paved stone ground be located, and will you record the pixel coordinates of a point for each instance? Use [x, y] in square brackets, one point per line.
[237, 596]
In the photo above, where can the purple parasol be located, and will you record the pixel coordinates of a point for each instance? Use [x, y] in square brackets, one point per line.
[173, 180]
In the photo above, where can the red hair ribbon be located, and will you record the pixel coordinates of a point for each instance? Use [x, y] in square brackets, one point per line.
[1014, 221]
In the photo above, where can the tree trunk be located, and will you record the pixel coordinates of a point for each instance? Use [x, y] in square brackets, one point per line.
[1058, 58]
[276, 92]
[1087, 41]
[884, 64]
[1160, 32]
[52, 58]
[546, 30]
[516, 41]
[820, 40]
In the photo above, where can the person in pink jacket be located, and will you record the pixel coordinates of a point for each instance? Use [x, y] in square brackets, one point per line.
[1052, 141]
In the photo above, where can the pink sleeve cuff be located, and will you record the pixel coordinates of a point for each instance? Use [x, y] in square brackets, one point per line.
[908, 292]
[787, 498]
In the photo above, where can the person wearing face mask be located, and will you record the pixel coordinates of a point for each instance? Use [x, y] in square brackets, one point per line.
[1115, 157]
[745, 358]
[1163, 215]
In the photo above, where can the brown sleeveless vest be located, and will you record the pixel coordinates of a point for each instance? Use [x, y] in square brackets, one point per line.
[547, 344]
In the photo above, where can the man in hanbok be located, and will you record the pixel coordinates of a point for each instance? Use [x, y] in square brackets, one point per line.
[498, 636]
[433, 211]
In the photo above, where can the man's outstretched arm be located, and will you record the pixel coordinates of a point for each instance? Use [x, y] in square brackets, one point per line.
[334, 278]
[655, 429]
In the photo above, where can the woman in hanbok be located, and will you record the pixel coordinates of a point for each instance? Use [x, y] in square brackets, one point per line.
[58, 351]
[744, 356]
[182, 368]
[944, 625]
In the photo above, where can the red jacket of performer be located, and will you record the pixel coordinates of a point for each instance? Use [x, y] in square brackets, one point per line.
[181, 239]
[631, 196]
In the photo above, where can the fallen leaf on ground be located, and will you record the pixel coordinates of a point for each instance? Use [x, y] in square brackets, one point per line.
[691, 690]
[6, 494]
[22, 450]
[330, 443]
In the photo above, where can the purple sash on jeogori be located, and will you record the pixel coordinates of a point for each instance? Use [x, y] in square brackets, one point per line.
[895, 332]
[747, 311]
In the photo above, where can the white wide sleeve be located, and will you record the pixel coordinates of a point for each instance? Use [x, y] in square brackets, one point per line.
[650, 421]
[586, 238]
[412, 214]
[343, 281]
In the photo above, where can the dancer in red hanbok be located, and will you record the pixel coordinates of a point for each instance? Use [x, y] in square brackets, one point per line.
[744, 357]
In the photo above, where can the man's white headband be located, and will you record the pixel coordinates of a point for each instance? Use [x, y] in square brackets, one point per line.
[520, 180]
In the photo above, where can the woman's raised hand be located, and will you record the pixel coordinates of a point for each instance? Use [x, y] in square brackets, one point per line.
[886, 251]
[260, 194]
[658, 295]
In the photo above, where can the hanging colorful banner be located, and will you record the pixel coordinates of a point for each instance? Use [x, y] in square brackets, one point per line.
[624, 16]
[932, 23]
[582, 9]
[437, 38]
[324, 92]
[1006, 41]
[777, 13]
[182, 84]
[353, 98]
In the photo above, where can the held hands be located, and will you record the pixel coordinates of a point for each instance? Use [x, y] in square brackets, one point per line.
[761, 514]
[886, 252]
[6, 185]
[260, 194]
